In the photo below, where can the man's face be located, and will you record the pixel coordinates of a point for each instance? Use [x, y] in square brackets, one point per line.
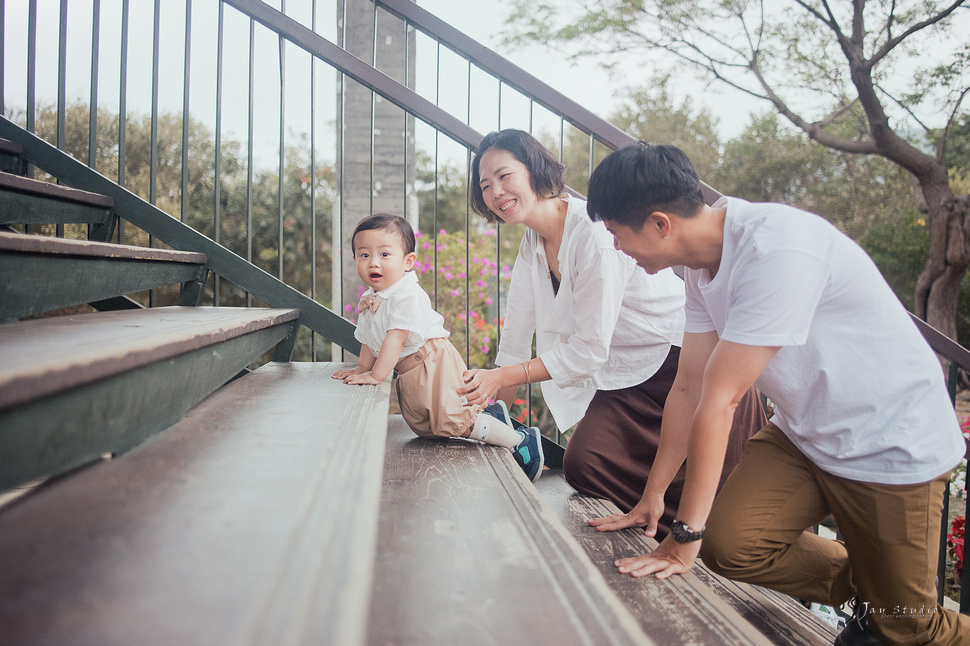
[643, 246]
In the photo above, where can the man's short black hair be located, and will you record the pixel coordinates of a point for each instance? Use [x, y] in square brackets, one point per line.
[545, 171]
[381, 221]
[640, 178]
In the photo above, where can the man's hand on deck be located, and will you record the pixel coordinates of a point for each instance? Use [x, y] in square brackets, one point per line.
[646, 514]
[670, 557]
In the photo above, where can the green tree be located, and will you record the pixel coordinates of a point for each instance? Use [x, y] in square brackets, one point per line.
[814, 62]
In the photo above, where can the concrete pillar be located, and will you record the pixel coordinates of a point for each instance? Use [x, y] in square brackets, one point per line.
[376, 157]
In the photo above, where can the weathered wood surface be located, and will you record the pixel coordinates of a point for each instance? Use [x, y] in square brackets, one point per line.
[29, 186]
[76, 387]
[39, 274]
[251, 521]
[697, 608]
[65, 246]
[469, 553]
[43, 356]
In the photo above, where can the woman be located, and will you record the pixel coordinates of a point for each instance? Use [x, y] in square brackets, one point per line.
[607, 333]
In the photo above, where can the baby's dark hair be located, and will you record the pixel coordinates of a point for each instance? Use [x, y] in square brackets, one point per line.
[545, 172]
[381, 221]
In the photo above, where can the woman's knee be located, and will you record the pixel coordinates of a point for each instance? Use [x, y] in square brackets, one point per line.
[577, 468]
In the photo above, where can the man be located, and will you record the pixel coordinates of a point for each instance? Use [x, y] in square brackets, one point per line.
[863, 428]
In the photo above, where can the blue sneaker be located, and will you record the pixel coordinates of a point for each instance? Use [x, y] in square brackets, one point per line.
[499, 411]
[528, 452]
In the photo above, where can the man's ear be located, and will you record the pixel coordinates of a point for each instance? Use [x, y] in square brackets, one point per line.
[409, 261]
[659, 221]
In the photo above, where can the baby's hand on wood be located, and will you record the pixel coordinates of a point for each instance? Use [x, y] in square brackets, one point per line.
[343, 373]
[365, 379]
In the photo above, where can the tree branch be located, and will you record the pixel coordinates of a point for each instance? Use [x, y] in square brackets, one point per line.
[814, 130]
[941, 155]
[891, 43]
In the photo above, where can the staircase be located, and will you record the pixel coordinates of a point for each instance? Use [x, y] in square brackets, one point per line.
[160, 491]
[171, 477]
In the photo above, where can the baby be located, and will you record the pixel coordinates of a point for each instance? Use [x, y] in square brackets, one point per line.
[399, 330]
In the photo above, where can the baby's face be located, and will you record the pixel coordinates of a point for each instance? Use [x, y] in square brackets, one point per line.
[380, 258]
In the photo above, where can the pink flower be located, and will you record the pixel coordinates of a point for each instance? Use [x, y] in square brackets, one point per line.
[481, 283]
[455, 292]
[488, 301]
[426, 245]
[449, 275]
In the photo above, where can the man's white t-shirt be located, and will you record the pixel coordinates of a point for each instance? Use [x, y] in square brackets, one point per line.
[404, 306]
[856, 387]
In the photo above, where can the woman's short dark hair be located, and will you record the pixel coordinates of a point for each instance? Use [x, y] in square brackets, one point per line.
[639, 178]
[545, 172]
[381, 221]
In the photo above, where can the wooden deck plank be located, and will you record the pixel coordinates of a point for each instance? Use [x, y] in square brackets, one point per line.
[44, 274]
[65, 246]
[43, 356]
[251, 521]
[699, 607]
[29, 186]
[66, 429]
[469, 553]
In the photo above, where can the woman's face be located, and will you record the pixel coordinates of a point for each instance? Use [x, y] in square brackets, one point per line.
[506, 186]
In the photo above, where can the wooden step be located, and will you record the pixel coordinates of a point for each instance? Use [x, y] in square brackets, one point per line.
[699, 607]
[75, 387]
[251, 521]
[469, 553]
[29, 201]
[39, 273]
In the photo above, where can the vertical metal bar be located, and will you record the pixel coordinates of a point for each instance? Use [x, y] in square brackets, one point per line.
[153, 152]
[62, 75]
[186, 86]
[31, 69]
[31, 81]
[93, 103]
[123, 110]
[592, 152]
[249, 149]
[217, 210]
[562, 137]
[373, 111]
[61, 89]
[153, 155]
[941, 559]
[404, 197]
[338, 219]
[282, 177]
[313, 180]
[3, 48]
[93, 106]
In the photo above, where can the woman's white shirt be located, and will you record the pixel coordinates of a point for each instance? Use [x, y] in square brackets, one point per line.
[610, 326]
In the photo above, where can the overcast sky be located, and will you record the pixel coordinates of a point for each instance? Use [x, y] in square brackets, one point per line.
[484, 21]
